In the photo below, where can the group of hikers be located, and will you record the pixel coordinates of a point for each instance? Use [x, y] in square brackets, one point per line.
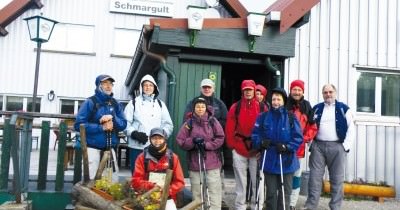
[267, 140]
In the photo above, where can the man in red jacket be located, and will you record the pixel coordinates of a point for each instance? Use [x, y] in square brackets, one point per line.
[239, 126]
[303, 111]
[156, 159]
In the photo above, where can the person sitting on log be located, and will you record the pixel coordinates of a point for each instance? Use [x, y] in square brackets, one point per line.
[152, 163]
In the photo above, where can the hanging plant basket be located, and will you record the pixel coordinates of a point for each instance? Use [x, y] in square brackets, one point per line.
[379, 192]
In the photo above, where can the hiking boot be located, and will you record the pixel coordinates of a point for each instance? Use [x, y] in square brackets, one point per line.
[292, 208]
[224, 206]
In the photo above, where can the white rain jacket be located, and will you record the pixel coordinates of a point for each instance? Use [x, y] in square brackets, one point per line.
[146, 115]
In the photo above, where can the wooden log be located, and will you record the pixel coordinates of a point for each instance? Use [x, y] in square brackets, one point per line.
[86, 175]
[81, 207]
[148, 193]
[164, 195]
[102, 165]
[364, 189]
[88, 198]
[192, 205]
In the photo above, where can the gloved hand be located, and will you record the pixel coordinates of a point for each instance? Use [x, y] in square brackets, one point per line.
[282, 148]
[139, 136]
[198, 143]
[198, 140]
[265, 143]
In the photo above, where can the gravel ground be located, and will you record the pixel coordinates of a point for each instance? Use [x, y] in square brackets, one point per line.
[388, 204]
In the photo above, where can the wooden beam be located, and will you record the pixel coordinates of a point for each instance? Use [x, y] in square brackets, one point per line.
[234, 6]
[14, 9]
[209, 23]
[291, 11]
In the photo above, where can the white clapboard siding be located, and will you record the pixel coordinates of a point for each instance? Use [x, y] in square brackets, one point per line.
[341, 34]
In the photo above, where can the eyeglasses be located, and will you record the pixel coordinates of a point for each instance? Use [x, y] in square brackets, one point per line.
[326, 92]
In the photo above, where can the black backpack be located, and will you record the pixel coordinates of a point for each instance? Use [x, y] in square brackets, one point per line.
[97, 105]
[134, 103]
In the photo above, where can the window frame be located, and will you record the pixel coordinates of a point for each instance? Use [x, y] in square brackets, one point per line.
[376, 116]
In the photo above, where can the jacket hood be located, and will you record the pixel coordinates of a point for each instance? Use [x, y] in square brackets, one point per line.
[281, 92]
[262, 89]
[103, 77]
[149, 78]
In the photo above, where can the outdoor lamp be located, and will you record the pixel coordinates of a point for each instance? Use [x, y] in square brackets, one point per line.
[40, 29]
[255, 26]
[51, 95]
[195, 22]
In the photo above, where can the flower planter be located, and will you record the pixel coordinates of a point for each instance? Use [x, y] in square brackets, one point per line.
[378, 192]
[102, 194]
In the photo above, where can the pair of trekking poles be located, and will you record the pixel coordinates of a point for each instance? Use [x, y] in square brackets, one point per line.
[259, 181]
[204, 194]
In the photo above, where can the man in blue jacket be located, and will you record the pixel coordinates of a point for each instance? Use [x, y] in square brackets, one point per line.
[332, 142]
[103, 118]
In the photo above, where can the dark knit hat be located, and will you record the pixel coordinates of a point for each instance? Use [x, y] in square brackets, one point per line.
[281, 92]
[199, 100]
[297, 83]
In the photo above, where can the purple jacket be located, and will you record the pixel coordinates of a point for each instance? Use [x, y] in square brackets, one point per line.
[211, 131]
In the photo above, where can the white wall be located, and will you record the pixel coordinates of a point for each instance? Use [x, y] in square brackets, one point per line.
[340, 34]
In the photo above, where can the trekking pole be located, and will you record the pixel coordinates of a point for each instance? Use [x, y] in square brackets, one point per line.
[109, 162]
[283, 188]
[205, 183]
[260, 180]
[201, 181]
[248, 189]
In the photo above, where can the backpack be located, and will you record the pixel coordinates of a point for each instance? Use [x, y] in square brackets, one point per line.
[290, 116]
[237, 110]
[97, 105]
[146, 161]
[134, 103]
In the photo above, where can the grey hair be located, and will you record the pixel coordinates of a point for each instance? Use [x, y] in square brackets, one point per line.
[333, 86]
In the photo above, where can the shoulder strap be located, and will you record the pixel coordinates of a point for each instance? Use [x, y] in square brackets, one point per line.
[159, 102]
[169, 156]
[291, 119]
[96, 106]
[133, 103]
[237, 112]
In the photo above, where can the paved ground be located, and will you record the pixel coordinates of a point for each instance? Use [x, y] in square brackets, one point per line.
[389, 204]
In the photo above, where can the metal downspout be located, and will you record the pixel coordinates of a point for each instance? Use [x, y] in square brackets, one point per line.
[275, 70]
[165, 68]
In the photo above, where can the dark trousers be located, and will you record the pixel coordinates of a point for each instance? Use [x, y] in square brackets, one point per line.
[274, 198]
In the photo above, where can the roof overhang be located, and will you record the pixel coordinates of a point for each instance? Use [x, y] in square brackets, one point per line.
[13, 10]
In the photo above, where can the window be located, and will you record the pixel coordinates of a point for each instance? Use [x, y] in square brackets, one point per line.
[378, 93]
[1, 102]
[70, 106]
[37, 108]
[125, 41]
[71, 38]
[14, 103]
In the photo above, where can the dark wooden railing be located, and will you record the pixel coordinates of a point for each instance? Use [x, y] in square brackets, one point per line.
[17, 135]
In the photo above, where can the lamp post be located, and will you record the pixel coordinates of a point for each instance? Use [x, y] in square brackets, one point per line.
[40, 29]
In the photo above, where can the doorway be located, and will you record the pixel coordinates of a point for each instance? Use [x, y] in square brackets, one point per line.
[232, 75]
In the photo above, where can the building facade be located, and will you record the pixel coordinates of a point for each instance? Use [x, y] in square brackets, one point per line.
[354, 45]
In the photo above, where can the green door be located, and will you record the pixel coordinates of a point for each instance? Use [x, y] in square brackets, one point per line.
[188, 78]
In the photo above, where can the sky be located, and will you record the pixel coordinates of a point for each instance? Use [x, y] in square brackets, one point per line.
[256, 5]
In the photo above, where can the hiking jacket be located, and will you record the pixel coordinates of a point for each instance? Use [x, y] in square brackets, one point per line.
[239, 127]
[146, 114]
[140, 177]
[308, 126]
[95, 135]
[208, 128]
[219, 108]
[277, 127]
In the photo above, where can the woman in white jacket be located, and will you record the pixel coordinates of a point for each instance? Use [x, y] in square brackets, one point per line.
[144, 113]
